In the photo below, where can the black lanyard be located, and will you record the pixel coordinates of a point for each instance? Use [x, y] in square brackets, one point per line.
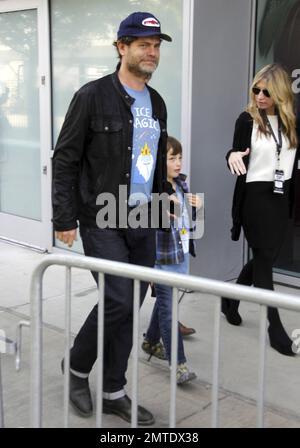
[279, 141]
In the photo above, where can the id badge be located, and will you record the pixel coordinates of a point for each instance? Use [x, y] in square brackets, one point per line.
[278, 181]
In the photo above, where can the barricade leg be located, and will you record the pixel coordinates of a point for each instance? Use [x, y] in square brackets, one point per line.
[216, 363]
[21, 324]
[1, 399]
[135, 374]
[174, 357]
[67, 346]
[99, 401]
[261, 372]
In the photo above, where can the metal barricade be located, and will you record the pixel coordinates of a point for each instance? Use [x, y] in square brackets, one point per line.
[138, 273]
[7, 347]
[1, 398]
[21, 324]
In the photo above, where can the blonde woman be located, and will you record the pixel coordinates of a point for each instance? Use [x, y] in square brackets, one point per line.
[264, 156]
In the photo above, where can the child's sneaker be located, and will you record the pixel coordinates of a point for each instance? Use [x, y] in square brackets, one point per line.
[157, 350]
[183, 374]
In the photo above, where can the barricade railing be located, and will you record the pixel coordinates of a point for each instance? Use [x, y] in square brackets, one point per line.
[138, 273]
[7, 347]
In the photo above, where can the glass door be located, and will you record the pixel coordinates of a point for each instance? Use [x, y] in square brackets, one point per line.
[277, 40]
[25, 214]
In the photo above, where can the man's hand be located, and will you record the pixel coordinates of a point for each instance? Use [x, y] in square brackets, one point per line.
[68, 237]
[194, 200]
[236, 163]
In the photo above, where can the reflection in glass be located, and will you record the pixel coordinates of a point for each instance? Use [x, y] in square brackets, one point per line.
[20, 192]
[82, 37]
[278, 36]
[82, 34]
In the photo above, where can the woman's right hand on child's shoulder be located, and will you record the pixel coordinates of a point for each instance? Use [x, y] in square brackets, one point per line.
[235, 162]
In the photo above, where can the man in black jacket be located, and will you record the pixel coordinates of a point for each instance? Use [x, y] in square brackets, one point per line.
[114, 135]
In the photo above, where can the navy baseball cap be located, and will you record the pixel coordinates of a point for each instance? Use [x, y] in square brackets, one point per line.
[141, 24]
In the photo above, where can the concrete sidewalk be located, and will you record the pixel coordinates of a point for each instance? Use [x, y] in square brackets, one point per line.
[239, 356]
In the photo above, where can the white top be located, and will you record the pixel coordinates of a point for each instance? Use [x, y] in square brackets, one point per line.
[263, 156]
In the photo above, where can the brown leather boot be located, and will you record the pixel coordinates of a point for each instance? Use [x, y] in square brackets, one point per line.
[185, 331]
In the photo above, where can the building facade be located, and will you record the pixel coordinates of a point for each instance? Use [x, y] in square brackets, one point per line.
[49, 48]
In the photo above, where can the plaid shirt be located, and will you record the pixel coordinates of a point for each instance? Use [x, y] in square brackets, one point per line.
[168, 242]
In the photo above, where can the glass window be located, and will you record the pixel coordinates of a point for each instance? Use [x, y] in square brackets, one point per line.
[277, 40]
[82, 34]
[20, 163]
[82, 37]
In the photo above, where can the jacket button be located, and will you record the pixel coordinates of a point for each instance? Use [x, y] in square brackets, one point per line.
[130, 121]
[129, 148]
[106, 128]
[127, 175]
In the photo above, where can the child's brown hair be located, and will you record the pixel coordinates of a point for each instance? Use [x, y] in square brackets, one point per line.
[175, 145]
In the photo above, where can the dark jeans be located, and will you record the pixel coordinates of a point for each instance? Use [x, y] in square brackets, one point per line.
[136, 246]
[161, 319]
[161, 323]
[258, 272]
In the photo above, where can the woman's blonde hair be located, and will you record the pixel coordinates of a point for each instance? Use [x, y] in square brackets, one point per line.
[279, 85]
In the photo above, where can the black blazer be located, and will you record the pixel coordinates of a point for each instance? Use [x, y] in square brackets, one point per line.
[242, 141]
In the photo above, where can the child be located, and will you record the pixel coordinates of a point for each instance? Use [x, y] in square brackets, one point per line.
[172, 254]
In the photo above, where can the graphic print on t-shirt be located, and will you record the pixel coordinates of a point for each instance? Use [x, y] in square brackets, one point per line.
[146, 134]
[144, 166]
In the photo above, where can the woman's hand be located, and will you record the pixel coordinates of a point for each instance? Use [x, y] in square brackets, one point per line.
[194, 200]
[235, 162]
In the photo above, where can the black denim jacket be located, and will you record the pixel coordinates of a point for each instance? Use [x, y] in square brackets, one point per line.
[93, 153]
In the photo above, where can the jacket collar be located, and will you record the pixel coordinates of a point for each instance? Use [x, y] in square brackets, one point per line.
[180, 181]
[129, 100]
[180, 178]
[120, 89]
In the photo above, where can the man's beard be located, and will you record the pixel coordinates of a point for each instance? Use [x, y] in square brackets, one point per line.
[138, 71]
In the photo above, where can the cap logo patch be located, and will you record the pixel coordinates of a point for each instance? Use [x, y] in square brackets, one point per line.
[150, 21]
